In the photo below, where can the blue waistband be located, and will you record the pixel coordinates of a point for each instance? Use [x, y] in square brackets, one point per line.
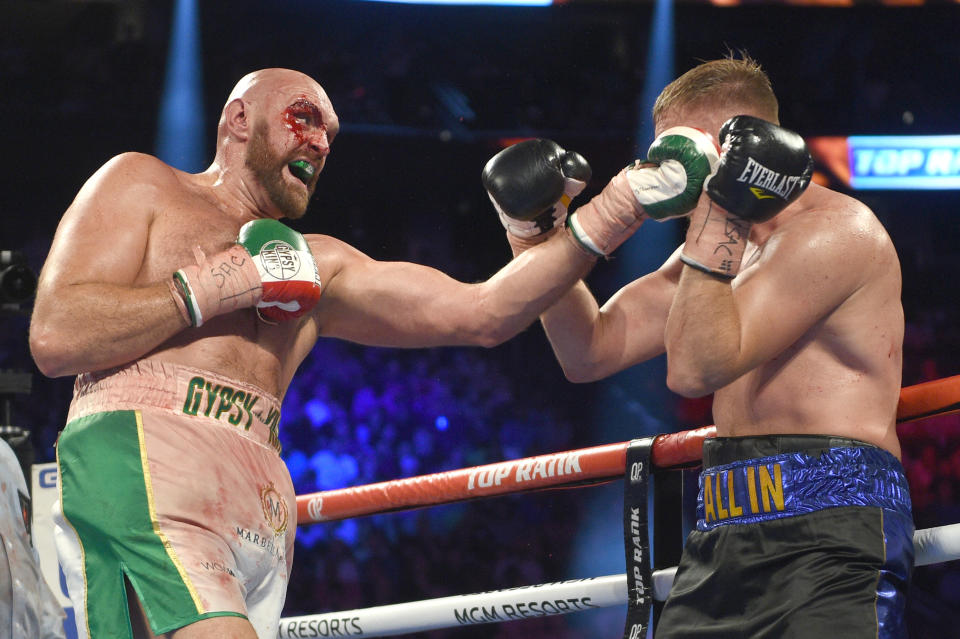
[796, 483]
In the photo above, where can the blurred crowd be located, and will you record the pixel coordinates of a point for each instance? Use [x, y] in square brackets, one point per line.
[355, 416]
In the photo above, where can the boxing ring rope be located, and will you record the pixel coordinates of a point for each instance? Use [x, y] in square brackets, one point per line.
[582, 466]
[571, 468]
[933, 545]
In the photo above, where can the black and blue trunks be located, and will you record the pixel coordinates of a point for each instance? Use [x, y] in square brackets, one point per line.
[797, 536]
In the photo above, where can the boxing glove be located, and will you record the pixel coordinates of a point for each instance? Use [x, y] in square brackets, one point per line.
[287, 270]
[685, 158]
[270, 267]
[665, 185]
[763, 168]
[531, 184]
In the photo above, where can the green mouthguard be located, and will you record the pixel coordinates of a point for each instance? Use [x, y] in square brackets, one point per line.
[302, 169]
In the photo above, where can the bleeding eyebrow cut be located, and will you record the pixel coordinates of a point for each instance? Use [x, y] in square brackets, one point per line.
[300, 114]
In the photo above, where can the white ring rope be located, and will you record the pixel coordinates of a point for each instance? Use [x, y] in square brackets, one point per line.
[932, 546]
[512, 604]
[936, 545]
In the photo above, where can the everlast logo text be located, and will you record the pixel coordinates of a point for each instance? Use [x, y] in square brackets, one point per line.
[237, 407]
[743, 491]
[764, 179]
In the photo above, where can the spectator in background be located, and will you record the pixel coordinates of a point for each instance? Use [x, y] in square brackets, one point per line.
[28, 608]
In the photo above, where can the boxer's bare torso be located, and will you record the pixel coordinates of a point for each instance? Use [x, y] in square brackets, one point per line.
[159, 215]
[239, 345]
[152, 216]
[842, 375]
[817, 307]
[106, 297]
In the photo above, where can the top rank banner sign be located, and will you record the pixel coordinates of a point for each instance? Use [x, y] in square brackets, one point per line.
[894, 162]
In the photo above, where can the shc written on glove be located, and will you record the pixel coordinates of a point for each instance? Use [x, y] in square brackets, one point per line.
[270, 267]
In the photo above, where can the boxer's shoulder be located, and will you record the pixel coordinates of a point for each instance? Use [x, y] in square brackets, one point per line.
[831, 222]
[332, 255]
[132, 182]
[132, 169]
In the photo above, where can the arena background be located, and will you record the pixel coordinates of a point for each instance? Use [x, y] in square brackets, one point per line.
[425, 95]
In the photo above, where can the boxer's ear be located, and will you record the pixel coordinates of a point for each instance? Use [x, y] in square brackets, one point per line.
[236, 119]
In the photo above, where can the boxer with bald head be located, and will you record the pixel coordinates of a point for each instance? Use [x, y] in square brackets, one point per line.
[784, 304]
[184, 307]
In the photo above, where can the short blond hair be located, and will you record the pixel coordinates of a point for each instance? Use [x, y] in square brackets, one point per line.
[730, 83]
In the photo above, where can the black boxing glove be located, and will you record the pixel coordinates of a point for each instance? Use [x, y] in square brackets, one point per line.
[763, 168]
[531, 184]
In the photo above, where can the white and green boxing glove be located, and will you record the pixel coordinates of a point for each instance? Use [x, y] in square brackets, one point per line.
[270, 267]
[291, 282]
[681, 157]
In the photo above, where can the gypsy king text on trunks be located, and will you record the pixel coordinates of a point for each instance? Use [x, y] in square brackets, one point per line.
[237, 407]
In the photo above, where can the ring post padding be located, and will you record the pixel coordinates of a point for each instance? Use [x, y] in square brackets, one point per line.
[636, 537]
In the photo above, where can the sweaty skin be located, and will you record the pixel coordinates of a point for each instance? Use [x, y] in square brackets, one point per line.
[103, 298]
[151, 216]
[807, 339]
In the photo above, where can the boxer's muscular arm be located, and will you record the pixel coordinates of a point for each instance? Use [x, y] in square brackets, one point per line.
[88, 315]
[410, 305]
[717, 331]
[592, 342]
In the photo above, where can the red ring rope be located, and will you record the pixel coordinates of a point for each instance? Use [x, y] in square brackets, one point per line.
[586, 465]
